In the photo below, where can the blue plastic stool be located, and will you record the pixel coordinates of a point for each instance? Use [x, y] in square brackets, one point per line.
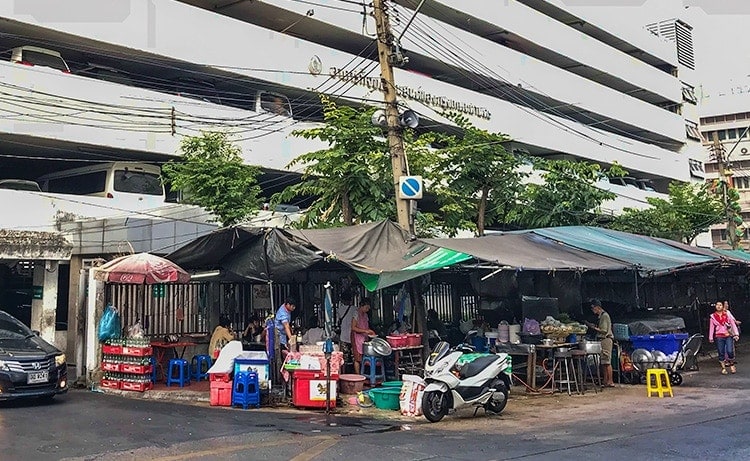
[246, 390]
[197, 367]
[182, 368]
[368, 361]
[154, 370]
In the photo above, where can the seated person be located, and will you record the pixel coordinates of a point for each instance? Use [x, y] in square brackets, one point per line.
[221, 336]
[315, 333]
[434, 323]
[254, 332]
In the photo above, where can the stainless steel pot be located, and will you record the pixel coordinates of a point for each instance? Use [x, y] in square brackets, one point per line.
[377, 347]
[590, 347]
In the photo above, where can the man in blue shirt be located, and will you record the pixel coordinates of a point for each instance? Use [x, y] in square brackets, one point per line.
[282, 321]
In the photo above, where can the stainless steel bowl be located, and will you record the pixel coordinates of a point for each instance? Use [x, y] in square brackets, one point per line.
[548, 342]
[377, 347]
[591, 347]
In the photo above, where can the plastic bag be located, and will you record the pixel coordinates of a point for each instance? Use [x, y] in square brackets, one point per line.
[410, 399]
[135, 330]
[109, 325]
[531, 326]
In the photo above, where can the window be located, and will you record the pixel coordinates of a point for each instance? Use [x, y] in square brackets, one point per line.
[741, 183]
[276, 104]
[137, 182]
[688, 94]
[83, 184]
[722, 135]
[732, 133]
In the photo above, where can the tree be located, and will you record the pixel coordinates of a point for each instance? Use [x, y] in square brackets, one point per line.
[351, 181]
[690, 210]
[212, 175]
[566, 196]
[477, 180]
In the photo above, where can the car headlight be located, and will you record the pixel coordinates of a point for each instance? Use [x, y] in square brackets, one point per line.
[60, 360]
[4, 366]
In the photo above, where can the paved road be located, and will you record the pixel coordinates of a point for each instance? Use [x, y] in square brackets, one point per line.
[709, 417]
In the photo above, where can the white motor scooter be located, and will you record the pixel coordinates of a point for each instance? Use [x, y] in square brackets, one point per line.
[461, 377]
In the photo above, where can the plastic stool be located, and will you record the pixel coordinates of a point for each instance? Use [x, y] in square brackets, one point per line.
[154, 370]
[657, 380]
[183, 372]
[197, 367]
[563, 363]
[368, 361]
[246, 390]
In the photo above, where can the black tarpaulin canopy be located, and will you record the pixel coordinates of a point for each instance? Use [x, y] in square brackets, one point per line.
[380, 253]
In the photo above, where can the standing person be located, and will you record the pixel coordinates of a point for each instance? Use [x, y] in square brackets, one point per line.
[282, 324]
[604, 334]
[345, 314]
[220, 337]
[726, 308]
[360, 331]
[723, 329]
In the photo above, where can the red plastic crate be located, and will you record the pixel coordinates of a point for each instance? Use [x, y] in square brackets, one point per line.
[309, 389]
[110, 383]
[221, 393]
[220, 377]
[135, 369]
[398, 341]
[110, 366]
[139, 387]
[137, 351]
[107, 349]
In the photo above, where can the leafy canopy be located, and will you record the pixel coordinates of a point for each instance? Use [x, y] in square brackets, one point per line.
[211, 174]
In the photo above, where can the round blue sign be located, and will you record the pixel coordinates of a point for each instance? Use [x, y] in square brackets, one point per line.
[410, 187]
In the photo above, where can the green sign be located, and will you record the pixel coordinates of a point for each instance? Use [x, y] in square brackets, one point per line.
[159, 291]
[36, 292]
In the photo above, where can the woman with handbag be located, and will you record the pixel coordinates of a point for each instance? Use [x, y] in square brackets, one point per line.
[723, 328]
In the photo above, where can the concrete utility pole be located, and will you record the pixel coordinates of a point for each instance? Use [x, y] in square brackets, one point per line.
[725, 178]
[386, 42]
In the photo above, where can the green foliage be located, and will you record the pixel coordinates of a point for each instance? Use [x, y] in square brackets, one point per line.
[477, 180]
[352, 180]
[211, 174]
[690, 210]
[568, 195]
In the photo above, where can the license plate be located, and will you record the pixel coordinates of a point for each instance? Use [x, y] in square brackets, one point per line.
[36, 377]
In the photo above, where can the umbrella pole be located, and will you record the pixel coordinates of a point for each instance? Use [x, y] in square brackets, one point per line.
[328, 345]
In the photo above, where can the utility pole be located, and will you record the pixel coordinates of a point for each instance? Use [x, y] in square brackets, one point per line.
[386, 56]
[725, 179]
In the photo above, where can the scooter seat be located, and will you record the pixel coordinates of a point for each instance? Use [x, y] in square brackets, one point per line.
[476, 366]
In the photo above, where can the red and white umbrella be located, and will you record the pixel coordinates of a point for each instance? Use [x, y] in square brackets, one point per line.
[141, 268]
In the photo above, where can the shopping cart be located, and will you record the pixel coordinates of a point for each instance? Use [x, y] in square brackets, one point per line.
[675, 353]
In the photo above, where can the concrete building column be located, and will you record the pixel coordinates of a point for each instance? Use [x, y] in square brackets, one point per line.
[76, 315]
[94, 309]
[44, 311]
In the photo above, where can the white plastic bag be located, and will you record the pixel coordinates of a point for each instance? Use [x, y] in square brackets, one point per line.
[410, 400]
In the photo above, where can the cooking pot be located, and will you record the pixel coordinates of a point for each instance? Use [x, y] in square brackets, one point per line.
[590, 347]
[377, 347]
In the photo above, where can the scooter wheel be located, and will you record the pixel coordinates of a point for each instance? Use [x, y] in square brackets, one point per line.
[675, 379]
[499, 399]
[434, 406]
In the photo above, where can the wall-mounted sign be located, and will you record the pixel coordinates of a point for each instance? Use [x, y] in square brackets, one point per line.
[374, 83]
[410, 187]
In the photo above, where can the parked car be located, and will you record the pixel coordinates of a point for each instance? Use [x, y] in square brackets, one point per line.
[29, 365]
[36, 56]
[20, 184]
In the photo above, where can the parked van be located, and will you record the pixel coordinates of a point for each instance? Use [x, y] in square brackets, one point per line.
[118, 180]
[36, 56]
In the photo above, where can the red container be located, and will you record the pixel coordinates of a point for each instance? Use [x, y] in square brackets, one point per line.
[398, 341]
[220, 377]
[137, 351]
[309, 389]
[110, 366]
[107, 349]
[135, 369]
[221, 393]
[414, 339]
[138, 387]
[110, 383]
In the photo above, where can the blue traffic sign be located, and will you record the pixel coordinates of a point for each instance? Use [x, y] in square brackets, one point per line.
[410, 187]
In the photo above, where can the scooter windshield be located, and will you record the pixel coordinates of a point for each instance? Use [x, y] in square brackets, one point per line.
[441, 350]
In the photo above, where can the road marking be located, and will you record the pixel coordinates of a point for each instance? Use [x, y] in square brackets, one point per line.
[316, 450]
[236, 448]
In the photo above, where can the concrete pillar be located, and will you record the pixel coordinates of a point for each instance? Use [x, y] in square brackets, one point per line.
[44, 311]
[76, 315]
[94, 309]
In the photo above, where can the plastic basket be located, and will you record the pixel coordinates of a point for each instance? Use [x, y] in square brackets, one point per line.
[621, 331]
[386, 398]
[664, 343]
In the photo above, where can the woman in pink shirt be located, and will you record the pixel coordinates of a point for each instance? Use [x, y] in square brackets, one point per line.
[723, 329]
[360, 332]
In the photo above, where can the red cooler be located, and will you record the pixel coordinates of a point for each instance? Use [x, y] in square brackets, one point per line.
[309, 389]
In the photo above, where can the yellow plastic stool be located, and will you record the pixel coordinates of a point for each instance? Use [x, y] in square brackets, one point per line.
[657, 380]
